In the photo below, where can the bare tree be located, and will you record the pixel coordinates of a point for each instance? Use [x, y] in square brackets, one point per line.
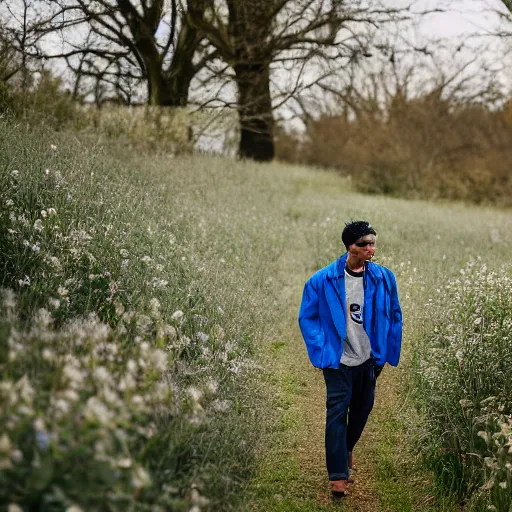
[256, 37]
[20, 37]
[120, 41]
[10, 62]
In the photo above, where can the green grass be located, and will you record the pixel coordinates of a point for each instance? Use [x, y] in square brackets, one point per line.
[235, 242]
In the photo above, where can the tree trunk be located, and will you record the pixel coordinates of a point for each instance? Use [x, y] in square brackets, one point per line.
[158, 91]
[255, 111]
[182, 69]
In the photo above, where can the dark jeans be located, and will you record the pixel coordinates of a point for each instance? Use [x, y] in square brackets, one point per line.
[350, 397]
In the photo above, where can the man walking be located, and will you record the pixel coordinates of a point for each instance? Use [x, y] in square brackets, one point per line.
[351, 321]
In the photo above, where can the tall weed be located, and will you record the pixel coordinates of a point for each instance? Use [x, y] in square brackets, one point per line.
[463, 372]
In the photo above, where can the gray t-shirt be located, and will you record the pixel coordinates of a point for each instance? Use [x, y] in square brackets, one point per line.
[357, 348]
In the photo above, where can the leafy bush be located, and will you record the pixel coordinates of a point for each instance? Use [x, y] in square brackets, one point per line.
[464, 378]
[80, 408]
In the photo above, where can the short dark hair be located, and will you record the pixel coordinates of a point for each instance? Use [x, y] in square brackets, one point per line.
[354, 230]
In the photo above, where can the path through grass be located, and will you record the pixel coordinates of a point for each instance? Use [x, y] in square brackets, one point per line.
[423, 249]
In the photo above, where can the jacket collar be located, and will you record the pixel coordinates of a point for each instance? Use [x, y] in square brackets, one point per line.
[337, 269]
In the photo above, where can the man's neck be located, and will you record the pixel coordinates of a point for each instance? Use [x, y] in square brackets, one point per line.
[355, 264]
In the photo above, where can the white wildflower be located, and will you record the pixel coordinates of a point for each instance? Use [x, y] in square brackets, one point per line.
[124, 463]
[15, 173]
[197, 499]
[131, 366]
[61, 407]
[137, 400]
[39, 425]
[102, 374]
[145, 259]
[161, 391]
[177, 316]
[140, 478]
[9, 299]
[54, 303]
[221, 405]
[25, 390]
[17, 456]
[53, 147]
[74, 375]
[158, 283]
[95, 409]
[5, 445]
[202, 337]
[14, 508]
[119, 308]
[48, 354]
[24, 282]
[44, 214]
[212, 386]
[127, 383]
[38, 225]
[55, 262]
[194, 393]
[144, 324]
[71, 395]
[74, 508]
[154, 304]
[124, 253]
[503, 484]
[159, 360]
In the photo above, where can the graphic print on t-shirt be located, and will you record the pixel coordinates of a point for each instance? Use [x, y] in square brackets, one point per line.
[355, 313]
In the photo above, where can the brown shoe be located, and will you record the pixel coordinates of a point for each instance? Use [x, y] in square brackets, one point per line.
[339, 489]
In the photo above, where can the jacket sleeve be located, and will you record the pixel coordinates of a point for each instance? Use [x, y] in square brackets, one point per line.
[395, 329]
[309, 322]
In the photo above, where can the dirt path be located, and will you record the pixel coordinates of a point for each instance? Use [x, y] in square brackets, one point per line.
[310, 405]
[292, 475]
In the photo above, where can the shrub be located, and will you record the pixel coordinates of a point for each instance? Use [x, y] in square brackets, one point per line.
[80, 407]
[464, 381]
[423, 147]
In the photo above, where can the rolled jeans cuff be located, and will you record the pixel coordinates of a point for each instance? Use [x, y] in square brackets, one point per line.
[338, 476]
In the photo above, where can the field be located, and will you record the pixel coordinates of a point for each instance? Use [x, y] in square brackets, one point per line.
[149, 352]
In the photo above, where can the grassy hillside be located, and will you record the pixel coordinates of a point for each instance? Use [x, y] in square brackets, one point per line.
[149, 303]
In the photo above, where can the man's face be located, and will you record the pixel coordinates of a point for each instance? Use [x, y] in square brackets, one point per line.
[364, 247]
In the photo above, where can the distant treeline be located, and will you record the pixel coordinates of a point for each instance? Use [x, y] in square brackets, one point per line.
[422, 147]
[431, 146]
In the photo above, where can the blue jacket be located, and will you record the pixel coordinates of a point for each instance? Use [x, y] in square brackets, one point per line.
[323, 307]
